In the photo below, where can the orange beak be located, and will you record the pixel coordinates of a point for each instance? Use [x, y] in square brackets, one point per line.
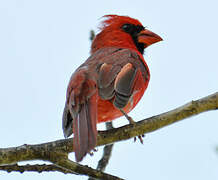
[148, 38]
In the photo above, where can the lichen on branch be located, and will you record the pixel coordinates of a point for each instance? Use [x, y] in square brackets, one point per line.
[56, 152]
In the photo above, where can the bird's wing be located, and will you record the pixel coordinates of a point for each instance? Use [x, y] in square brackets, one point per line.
[80, 113]
[119, 76]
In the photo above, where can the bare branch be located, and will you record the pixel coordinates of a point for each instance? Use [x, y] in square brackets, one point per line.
[52, 150]
[59, 159]
[32, 152]
[84, 170]
[34, 168]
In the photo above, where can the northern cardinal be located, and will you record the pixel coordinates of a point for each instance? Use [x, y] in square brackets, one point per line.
[109, 83]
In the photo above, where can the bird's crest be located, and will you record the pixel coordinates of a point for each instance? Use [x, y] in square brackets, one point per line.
[115, 20]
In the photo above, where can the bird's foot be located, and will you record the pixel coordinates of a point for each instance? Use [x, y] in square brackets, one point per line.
[140, 138]
[131, 121]
[91, 153]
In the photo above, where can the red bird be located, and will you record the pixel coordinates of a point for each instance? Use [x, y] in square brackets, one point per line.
[109, 83]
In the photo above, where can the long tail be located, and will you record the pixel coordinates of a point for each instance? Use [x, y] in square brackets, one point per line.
[84, 128]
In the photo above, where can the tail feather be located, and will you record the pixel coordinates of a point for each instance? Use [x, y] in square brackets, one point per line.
[92, 123]
[81, 134]
[85, 131]
[67, 122]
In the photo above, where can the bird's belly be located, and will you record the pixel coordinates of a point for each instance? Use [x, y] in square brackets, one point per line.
[107, 111]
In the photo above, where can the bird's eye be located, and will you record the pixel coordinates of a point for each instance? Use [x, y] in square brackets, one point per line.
[127, 28]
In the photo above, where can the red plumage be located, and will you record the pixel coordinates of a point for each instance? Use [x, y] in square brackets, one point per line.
[110, 82]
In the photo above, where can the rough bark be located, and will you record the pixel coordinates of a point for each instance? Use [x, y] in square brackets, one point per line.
[56, 152]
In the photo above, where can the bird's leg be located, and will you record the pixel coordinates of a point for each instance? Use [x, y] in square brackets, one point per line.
[131, 121]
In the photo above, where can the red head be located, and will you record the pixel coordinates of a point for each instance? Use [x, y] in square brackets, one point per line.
[124, 32]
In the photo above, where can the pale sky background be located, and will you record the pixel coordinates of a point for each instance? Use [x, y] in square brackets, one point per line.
[43, 41]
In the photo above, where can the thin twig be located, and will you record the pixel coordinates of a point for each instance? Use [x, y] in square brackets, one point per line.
[84, 170]
[34, 168]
